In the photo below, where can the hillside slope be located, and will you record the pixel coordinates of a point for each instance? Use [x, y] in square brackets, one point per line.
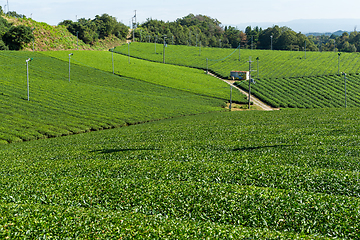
[49, 37]
[89, 100]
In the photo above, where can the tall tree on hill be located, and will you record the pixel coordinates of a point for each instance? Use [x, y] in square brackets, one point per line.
[17, 36]
[99, 28]
[189, 30]
[283, 38]
[4, 27]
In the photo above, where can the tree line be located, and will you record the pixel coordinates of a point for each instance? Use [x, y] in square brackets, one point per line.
[199, 29]
[194, 30]
[91, 30]
[13, 37]
[344, 43]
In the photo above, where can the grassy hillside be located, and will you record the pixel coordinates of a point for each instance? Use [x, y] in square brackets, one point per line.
[92, 100]
[285, 174]
[49, 37]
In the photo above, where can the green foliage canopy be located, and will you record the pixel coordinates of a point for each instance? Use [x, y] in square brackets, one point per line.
[90, 30]
[17, 36]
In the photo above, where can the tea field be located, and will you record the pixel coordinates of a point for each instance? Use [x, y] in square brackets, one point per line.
[289, 174]
[283, 78]
[272, 64]
[307, 92]
[174, 77]
[93, 99]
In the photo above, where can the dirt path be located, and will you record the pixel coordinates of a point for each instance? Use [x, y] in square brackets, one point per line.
[253, 99]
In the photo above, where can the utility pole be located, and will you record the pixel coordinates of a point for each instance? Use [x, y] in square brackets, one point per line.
[345, 87]
[27, 77]
[271, 41]
[112, 56]
[339, 64]
[207, 66]
[129, 52]
[230, 96]
[69, 64]
[249, 82]
[164, 49]
[257, 60]
[134, 26]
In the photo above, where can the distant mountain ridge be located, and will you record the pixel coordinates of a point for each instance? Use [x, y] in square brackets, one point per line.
[337, 33]
[309, 25]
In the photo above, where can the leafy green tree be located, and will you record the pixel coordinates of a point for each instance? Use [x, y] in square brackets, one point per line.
[265, 38]
[99, 28]
[17, 36]
[4, 26]
[287, 40]
[15, 14]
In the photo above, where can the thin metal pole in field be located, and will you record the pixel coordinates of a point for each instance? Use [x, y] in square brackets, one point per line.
[27, 77]
[230, 96]
[129, 52]
[339, 64]
[257, 59]
[249, 82]
[112, 56]
[207, 66]
[164, 49]
[345, 88]
[69, 64]
[200, 49]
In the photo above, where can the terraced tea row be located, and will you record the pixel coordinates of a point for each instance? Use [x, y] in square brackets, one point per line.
[288, 174]
[308, 92]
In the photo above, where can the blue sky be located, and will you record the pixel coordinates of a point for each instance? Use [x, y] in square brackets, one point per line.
[229, 12]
